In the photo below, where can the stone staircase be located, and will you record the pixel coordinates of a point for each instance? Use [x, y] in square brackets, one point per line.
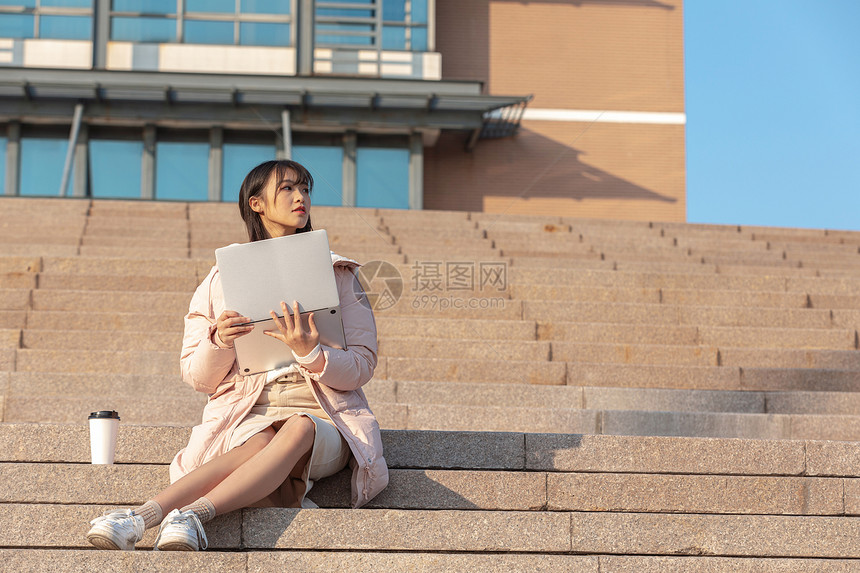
[609, 397]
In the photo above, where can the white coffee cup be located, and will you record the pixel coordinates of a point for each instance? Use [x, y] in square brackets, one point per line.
[103, 430]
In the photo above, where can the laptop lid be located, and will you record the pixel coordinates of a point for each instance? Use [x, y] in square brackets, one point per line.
[257, 276]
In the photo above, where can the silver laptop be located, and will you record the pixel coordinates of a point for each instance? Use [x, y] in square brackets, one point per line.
[257, 276]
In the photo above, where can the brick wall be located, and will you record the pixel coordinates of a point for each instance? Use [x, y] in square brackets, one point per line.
[579, 55]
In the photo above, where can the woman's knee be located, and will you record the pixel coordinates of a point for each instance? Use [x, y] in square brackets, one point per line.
[259, 440]
[299, 430]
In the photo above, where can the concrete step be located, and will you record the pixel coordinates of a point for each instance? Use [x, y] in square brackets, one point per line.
[635, 354]
[464, 349]
[710, 378]
[105, 340]
[640, 313]
[134, 252]
[122, 266]
[479, 531]
[420, 489]
[122, 301]
[78, 361]
[113, 321]
[595, 398]
[143, 283]
[790, 358]
[40, 249]
[495, 368]
[755, 337]
[432, 327]
[69, 443]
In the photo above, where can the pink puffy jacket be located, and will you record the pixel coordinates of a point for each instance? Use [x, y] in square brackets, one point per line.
[211, 369]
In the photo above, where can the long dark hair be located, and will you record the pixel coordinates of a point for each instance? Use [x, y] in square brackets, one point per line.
[255, 183]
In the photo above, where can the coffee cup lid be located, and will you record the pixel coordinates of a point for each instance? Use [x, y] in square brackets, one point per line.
[112, 414]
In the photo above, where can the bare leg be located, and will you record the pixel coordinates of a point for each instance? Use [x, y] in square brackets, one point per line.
[266, 470]
[200, 481]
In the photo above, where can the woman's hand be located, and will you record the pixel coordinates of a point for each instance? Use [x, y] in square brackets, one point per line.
[228, 331]
[291, 333]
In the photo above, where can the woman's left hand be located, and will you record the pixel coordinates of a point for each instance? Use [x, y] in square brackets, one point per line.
[291, 333]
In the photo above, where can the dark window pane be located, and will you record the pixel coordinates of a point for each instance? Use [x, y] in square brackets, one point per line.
[68, 3]
[3, 141]
[182, 171]
[346, 12]
[239, 159]
[419, 39]
[328, 34]
[115, 168]
[326, 167]
[66, 27]
[204, 32]
[382, 178]
[143, 29]
[419, 11]
[223, 6]
[394, 10]
[326, 27]
[263, 34]
[145, 6]
[16, 26]
[393, 38]
[344, 40]
[42, 162]
[265, 6]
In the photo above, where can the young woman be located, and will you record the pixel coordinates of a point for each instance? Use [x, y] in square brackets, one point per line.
[266, 437]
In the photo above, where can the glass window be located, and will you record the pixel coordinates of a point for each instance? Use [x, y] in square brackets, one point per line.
[225, 6]
[66, 27]
[143, 29]
[394, 10]
[42, 162]
[182, 171]
[239, 159]
[393, 38]
[205, 32]
[3, 141]
[22, 3]
[16, 26]
[419, 39]
[326, 166]
[68, 3]
[264, 34]
[419, 11]
[115, 168]
[145, 6]
[345, 12]
[265, 6]
[382, 178]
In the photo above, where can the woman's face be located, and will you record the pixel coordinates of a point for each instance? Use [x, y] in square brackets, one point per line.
[284, 206]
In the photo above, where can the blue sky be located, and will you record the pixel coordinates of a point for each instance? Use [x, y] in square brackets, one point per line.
[773, 112]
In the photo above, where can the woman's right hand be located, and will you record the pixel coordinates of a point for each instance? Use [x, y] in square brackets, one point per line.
[227, 330]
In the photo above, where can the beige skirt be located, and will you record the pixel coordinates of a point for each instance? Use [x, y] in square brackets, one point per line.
[280, 400]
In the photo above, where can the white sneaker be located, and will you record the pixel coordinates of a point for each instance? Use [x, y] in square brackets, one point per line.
[116, 530]
[181, 532]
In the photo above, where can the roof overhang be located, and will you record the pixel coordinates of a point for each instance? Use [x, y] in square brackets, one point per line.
[244, 102]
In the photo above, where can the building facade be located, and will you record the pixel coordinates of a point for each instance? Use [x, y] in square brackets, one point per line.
[562, 107]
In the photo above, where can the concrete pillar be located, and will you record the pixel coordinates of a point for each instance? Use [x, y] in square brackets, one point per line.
[416, 171]
[216, 161]
[13, 158]
[147, 164]
[304, 23]
[81, 164]
[349, 168]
